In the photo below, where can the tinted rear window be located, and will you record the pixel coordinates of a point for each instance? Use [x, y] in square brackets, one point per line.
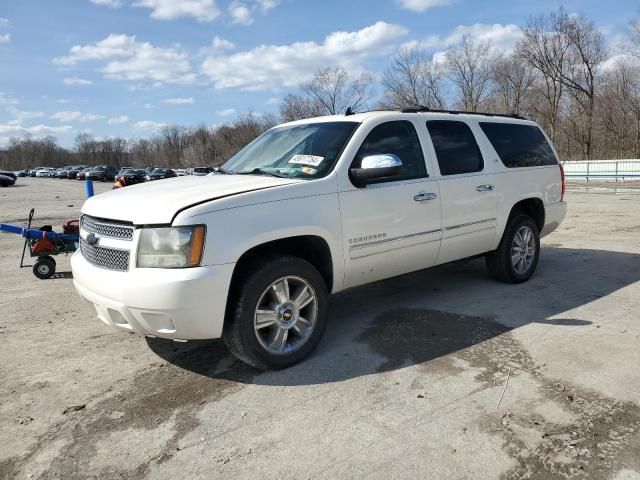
[456, 147]
[519, 145]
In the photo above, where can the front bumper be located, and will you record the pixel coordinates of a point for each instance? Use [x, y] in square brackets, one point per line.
[182, 304]
[554, 214]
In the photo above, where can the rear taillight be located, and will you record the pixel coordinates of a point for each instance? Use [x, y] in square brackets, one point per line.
[563, 182]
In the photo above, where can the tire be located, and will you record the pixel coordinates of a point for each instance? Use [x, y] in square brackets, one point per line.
[520, 268]
[255, 291]
[44, 268]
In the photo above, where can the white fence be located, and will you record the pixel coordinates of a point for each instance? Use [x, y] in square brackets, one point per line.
[618, 170]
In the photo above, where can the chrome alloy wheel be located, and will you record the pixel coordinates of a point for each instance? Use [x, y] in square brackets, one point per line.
[286, 315]
[523, 250]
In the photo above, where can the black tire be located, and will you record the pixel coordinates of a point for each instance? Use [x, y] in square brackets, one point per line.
[239, 334]
[499, 262]
[44, 268]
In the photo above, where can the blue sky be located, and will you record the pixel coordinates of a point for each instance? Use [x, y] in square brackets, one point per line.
[126, 67]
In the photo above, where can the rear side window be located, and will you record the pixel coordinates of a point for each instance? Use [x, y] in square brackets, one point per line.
[519, 145]
[456, 147]
[399, 138]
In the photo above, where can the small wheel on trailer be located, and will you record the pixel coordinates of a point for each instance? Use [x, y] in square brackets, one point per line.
[44, 268]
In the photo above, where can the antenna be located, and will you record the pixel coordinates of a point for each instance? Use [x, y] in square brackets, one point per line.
[349, 112]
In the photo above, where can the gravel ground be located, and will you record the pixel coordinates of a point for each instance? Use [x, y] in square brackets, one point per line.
[438, 374]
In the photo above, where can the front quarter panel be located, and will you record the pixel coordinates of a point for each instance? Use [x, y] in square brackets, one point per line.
[237, 224]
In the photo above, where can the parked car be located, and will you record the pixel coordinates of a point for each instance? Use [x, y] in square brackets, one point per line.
[64, 171]
[21, 173]
[311, 208]
[32, 173]
[201, 171]
[73, 171]
[46, 172]
[81, 175]
[132, 176]
[7, 178]
[102, 173]
[181, 172]
[119, 173]
[160, 173]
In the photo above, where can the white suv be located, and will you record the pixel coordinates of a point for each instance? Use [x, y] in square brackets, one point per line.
[310, 208]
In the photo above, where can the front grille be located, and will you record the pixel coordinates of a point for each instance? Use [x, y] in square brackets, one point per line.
[105, 228]
[110, 258]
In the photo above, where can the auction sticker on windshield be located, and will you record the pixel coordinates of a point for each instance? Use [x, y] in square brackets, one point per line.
[312, 160]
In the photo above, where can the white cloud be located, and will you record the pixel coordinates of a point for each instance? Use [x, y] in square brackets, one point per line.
[227, 112]
[275, 66]
[266, 5]
[273, 101]
[502, 37]
[128, 59]
[20, 115]
[68, 116]
[7, 99]
[107, 3]
[76, 81]
[619, 58]
[4, 22]
[222, 44]
[118, 120]
[178, 101]
[13, 130]
[148, 125]
[5, 38]
[201, 10]
[423, 5]
[240, 13]
[147, 105]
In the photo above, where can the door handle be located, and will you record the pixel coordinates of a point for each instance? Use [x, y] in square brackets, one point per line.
[423, 197]
[484, 188]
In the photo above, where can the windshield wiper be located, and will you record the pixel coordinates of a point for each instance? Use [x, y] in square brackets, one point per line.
[261, 171]
[224, 171]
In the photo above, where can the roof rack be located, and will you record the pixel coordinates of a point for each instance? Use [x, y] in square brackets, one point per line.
[460, 112]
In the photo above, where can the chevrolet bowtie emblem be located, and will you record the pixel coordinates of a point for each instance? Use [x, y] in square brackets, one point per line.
[92, 239]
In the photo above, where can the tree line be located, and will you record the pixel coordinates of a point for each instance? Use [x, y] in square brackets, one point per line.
[562, 73]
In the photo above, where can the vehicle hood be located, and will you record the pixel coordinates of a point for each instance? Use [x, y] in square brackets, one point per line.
[158, 202]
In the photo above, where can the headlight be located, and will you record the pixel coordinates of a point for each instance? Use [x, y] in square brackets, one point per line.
[171, 247]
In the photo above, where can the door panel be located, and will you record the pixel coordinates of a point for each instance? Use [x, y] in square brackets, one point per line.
[467, 189]
[469, 216]
[387, 232]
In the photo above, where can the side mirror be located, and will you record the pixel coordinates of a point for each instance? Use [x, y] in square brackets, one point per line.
[375, 167]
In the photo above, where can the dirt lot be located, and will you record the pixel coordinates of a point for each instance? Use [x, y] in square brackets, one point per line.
[406, 383]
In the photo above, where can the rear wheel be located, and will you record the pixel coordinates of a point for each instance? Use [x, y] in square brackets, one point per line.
[279, 315]
[44, 268]
[516, 258]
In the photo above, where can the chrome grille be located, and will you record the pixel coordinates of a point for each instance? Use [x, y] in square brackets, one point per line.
[103, 257]
[105, 228]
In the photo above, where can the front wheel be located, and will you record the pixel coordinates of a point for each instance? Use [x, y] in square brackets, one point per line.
[279, 315]
[516, 258]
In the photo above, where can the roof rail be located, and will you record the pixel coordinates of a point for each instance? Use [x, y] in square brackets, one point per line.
[460, 112]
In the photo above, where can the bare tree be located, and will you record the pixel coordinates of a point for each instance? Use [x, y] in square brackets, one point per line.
[512, 80]
[297, 107]
[568, 49]
[332, 89]
[412, 80]
[469, 66]
[634, 38]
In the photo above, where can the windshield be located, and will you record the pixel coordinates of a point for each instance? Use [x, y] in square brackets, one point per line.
[303, 151]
